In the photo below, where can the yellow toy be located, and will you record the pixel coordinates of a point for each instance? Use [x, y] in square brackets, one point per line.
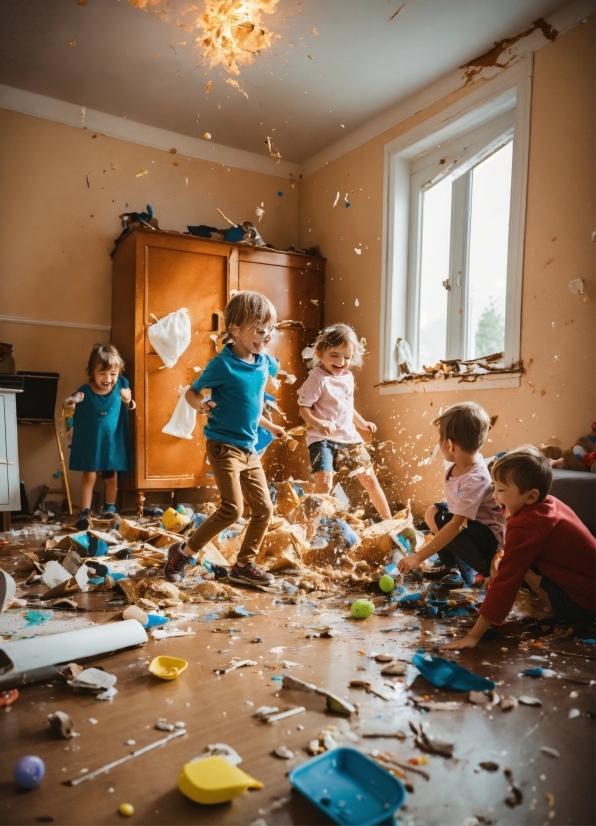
[214, 780]
[167, 668]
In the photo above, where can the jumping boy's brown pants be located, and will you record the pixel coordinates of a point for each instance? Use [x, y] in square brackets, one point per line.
[238, 474]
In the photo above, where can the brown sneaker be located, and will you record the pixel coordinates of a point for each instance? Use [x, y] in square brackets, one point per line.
[176, 564]
[250, 574]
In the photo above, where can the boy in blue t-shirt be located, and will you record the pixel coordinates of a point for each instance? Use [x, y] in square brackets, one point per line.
[236, 377]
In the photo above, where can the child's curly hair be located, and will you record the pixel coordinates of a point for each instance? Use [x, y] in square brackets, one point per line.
[337, 335]
[104, 356]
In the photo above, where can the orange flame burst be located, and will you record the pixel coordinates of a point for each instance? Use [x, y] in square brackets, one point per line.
[232, 32]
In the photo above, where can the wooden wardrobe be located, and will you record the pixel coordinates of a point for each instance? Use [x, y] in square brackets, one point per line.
[156, 273]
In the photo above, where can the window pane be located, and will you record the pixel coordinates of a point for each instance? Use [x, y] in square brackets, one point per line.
[489, 233]
[434, 268]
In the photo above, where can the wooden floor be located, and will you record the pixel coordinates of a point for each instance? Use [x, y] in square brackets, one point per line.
[221, 708]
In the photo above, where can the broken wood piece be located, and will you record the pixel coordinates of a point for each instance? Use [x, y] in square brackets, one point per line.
[70, 671]
[334, 703]
[273, 718]
[61, 724]
[395, 669]
[93, 679]
[435, 705]
[376, 687]
[378, 728]
[483, 698]
[428, 744]
[390, 758]
[109, 766]
[322, 633]
[234, 665]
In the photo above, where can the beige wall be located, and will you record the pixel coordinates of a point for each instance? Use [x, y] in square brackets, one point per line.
[57, 235]
[556, 397]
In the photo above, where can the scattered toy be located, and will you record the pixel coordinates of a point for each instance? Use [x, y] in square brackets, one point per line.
[362, 609]
[214, 780]
[167, 668]
[126, 809]
[29, 771]
[61, 724]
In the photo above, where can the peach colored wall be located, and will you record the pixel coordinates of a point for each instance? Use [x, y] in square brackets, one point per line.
[57, 234]
[556, 397]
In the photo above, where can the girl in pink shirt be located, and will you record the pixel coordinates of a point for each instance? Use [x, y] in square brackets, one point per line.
[326, 402]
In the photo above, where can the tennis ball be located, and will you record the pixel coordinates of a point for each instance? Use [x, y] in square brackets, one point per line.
[362, 609]
[386, 583]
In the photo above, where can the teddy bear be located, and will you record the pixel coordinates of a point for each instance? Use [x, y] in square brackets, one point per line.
[580, 456]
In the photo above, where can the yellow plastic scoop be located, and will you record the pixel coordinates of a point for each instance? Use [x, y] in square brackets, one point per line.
[214, 780]
[167, 668]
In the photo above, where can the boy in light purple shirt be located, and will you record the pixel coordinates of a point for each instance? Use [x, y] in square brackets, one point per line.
[468, 527]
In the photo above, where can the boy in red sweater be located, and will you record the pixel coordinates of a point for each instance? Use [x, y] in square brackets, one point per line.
[545, 544]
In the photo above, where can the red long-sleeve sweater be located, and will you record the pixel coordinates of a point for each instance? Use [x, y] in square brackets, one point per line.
[549, 536]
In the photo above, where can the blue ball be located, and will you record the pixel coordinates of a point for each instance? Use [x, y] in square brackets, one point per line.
[29, 771]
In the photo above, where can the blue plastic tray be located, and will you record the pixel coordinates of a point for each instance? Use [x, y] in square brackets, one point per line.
[349, 787]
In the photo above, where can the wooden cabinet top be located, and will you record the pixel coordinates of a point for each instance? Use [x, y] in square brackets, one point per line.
[246, 252]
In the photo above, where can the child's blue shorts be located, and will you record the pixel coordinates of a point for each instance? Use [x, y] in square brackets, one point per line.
[338, 456]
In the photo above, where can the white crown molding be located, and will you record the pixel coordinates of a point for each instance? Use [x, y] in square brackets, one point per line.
[562, 20]
[13, 319]
[70, 114]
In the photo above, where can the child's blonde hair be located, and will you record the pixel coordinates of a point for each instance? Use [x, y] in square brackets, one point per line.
[248, 307]
[337, 335]
[104, 356]
[527, 468]
[467, 424]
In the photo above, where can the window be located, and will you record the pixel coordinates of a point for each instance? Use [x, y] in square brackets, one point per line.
[454, 229]
[458, 253]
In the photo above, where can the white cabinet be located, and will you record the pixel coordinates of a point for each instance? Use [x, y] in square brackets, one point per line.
[10, 494]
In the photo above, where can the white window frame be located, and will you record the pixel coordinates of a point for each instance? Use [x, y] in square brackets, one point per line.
[479, 122]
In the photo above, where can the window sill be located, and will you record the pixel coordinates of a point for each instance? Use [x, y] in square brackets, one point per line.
[455, 384]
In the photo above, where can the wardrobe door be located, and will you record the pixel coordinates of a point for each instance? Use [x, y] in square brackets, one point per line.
[176, 277]
[295, 285]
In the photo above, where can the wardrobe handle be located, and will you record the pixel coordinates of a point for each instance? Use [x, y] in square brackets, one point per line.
[215, 322]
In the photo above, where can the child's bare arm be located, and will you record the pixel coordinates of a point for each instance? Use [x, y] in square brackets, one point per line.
[362, 424]
[447, 533]
[196, 401]
[70, 401]
[324, 427]
[473, 636]
[278, 432]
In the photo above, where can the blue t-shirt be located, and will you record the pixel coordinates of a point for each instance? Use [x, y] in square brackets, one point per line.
[237, 388]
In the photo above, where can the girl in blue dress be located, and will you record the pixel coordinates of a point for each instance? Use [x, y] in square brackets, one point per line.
[101, 438]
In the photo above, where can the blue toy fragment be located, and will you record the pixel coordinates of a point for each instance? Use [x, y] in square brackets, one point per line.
[444, 673]
[153, 620]
[533, 672]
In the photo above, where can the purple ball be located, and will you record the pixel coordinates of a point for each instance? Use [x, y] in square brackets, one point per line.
[29, 771]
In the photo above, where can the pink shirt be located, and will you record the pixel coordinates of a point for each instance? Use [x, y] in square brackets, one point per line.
[471, 495]
[330, 398]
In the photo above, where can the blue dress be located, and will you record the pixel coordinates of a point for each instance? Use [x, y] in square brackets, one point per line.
[101, 435]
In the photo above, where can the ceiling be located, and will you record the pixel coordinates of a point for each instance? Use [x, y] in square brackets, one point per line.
[307, 91]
